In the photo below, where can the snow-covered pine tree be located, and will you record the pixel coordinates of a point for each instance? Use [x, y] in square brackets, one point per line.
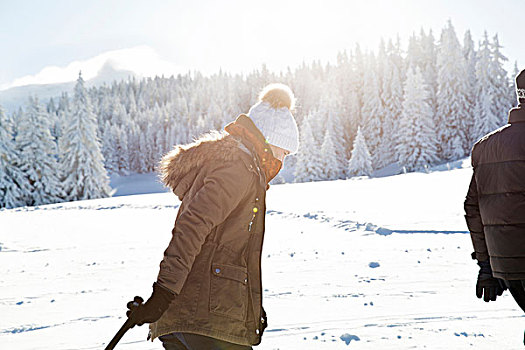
[134, 147]
[328, 161]
[428, 68]
[105, 109]
[38, 153]
[392, 100]
[307, 167]
[318, 119]
[118, 114]
[396, 54]
[512, 82]
[179, 131]
[417, 145]
[9, 121]
[180, 115]
[384, 72]
[150, 154]
[51, 108]
[354, 116]
[381, 63]
[372, 112]
[329, 113]
[15, 119]
[123, 152]
[342, 78]
[82, 162]
[160, 142]
[115, 149]
[451, 97]
[55, 127]
[63, 103]
[143, 142]
[156, 151]
[414, 52]
[62, 111]
[216, 114]
[339, 141]
[14, 185]
[501, 80]
[471, 81]
[142, 150]
[131, 103]
[109, 150]
[171, 137]
[357, 80]
[486, 110]
[360, 162]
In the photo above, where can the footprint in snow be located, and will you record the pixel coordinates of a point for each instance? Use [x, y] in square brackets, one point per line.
[347, 338]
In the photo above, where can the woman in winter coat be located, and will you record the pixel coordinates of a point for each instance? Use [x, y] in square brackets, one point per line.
[208, 293]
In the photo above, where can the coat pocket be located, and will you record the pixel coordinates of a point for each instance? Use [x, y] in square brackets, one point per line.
[229, 291]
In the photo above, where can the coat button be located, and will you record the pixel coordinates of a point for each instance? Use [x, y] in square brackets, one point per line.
[255, 210]
[217, 270]
[257, 331]
[257, 199]
[245, 280]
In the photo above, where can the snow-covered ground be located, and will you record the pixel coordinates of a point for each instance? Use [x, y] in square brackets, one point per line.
[136, 184]
[364, 264]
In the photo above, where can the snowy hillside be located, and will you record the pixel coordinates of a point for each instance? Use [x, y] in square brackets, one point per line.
[13, 98]
[359, 264]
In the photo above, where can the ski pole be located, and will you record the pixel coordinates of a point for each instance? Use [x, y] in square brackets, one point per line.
[125, 327]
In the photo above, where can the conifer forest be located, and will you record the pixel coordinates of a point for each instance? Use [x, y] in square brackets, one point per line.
[415, 105]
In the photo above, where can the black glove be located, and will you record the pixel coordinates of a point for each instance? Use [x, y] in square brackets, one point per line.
[488, 286]
[153, 309]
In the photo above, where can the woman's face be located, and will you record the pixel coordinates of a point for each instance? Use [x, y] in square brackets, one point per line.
[279, 152]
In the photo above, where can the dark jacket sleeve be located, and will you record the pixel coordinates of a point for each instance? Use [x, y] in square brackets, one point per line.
[474, 223]
[221, 193]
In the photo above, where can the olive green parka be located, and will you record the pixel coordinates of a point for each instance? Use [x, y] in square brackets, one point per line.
[213, 261]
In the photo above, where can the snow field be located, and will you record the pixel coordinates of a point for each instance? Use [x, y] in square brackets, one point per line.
[67, 270]
[421, 295]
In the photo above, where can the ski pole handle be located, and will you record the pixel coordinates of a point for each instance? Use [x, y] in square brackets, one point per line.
[125, 327]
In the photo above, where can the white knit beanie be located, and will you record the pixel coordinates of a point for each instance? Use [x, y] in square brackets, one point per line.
[272, 116]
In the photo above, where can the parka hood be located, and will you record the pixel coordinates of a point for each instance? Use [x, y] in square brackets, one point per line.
[178, 168]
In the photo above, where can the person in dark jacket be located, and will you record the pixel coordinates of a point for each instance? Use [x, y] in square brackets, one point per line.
[208, 293]
[495, 206]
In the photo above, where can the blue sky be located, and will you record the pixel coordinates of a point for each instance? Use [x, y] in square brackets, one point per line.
[233, 35]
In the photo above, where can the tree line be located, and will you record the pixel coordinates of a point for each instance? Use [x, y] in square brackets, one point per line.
[366, 111]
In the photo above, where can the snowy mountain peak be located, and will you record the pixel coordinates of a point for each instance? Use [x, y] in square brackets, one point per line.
[140, 61]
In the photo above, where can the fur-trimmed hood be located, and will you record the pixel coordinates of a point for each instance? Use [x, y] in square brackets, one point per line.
[179, 167]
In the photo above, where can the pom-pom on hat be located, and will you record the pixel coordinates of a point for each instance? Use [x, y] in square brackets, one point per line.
[272, 116]
[520, 86]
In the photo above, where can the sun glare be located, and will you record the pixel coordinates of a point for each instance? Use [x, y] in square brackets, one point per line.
[286, 34]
